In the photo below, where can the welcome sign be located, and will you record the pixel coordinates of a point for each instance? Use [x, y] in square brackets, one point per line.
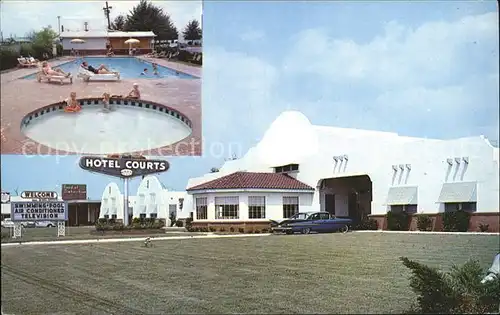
[39, 211]
[124, 167]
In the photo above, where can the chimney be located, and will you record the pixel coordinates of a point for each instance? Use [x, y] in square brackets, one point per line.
[86, 25]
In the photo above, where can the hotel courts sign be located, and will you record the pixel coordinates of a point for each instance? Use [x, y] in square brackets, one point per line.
[124, 167]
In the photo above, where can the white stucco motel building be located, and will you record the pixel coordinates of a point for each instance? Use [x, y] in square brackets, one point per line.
[152, 200]
[298, 166]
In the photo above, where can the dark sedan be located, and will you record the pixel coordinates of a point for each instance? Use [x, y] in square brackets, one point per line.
[305, 223]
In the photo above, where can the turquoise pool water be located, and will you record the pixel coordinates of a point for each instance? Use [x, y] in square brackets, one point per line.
[129, 68]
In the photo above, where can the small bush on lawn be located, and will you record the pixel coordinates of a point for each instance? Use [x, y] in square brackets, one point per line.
[241, 230]
[204, 229]
[179, 223]
[483, 227]
[257, 231]
[398, 221]
[367, 224]
[189, 222]
[424, 222]
[456, 221]
[222, 229]
[231, 229]
[265, 230]
[212, 229]
[173, 218]
[459, 291]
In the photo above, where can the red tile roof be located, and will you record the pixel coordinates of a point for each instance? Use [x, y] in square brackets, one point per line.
[249, 180]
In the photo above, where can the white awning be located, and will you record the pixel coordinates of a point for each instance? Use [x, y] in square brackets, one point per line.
[405, 195]
[458, 192]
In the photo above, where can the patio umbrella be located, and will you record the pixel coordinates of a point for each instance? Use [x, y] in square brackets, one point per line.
[131, 41]
[77, 41]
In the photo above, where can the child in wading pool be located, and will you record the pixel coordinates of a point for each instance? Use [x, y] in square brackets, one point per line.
[106, 101]
[72, 105]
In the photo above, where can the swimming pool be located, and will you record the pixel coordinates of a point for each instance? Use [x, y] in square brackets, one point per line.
[129, 68]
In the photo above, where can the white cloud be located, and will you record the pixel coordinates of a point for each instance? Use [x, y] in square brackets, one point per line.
[401, 56]
[237, 91]
[252, 35]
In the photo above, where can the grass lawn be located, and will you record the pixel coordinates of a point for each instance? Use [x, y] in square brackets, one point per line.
[325, 273]
[81, 232]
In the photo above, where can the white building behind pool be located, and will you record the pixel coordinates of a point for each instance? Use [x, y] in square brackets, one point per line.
[348, 172]
[152, 200]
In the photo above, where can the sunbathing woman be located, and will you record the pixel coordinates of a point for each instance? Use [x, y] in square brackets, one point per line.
[72, 105]
[47, 70]
[101, 70]
[135, 93]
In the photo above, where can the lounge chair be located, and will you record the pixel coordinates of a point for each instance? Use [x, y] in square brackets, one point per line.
[23, 62]
[88, 75]
[42, 76]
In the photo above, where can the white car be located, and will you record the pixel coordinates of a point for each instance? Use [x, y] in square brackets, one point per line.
[45, 224]
[8, 223]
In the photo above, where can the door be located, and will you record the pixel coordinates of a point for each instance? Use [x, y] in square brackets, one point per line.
[330, 203]
[314, 222]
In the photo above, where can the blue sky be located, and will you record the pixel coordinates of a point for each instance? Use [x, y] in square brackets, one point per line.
[425, 69]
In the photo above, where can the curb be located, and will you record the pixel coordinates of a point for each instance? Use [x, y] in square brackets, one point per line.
[430, 232]
[122, 240]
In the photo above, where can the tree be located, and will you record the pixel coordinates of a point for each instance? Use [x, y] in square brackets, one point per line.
[42, 41]
[192, 31]
[147, 17]
[118, 23]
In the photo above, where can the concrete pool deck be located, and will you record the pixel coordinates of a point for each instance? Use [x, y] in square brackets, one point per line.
[21, 96]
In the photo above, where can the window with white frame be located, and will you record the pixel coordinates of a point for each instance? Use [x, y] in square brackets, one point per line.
[153, 215]
[142, 215]
[114, 216]
[201, 208]
[404, 208]
[290, 206]
[256, 207]
[227, 207]
[106, 216]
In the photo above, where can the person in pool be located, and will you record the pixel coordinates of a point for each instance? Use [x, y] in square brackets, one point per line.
[135, 93]
[106, 101]
[155, 69]
[101, 70]
[72, 105]
[145, 71]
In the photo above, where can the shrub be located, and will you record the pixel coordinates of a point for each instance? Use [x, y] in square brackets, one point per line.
[456, 221]
[257, 231]
[8, 58]
[222, 229]
[265, 230]
[5, 235]
[483, 227]
[398, 221]
[241, 230]
[118, 227]
[231, 229]
[204, 229]
[212, 229]
[60, 49]
[367, 224]
[136, 221]
[459, 291]
[189, 222]
[179, 223]
[27, 50]
[424, 222]
[172, 218]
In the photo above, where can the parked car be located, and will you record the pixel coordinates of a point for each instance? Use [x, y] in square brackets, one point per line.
[45, 224]
[8, 223]
[305, 223]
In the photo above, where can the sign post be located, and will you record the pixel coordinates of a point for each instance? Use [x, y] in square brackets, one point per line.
[125, 202]
[124, 167]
